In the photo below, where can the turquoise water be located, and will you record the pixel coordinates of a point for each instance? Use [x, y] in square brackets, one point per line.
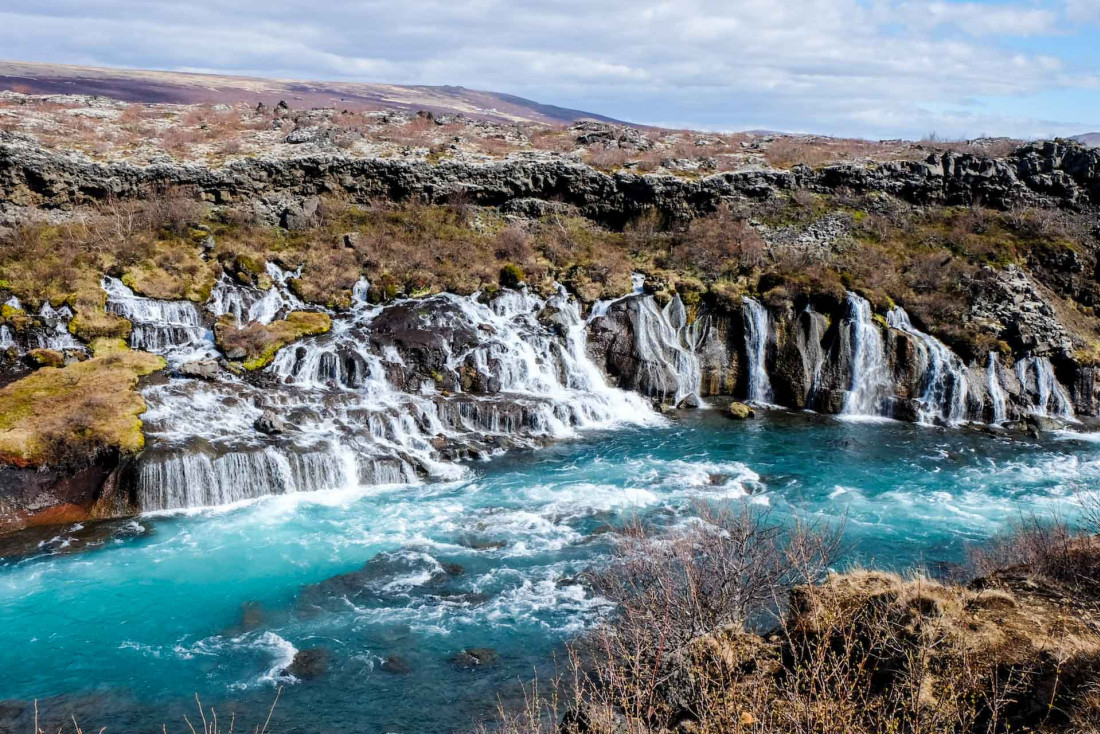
[123, 623]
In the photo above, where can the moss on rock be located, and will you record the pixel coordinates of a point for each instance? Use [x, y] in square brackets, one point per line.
[58, 416]
[256, 344]
[92, 324]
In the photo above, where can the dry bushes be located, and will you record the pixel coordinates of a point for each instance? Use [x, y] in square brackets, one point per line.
[718, 246]
[857, 652]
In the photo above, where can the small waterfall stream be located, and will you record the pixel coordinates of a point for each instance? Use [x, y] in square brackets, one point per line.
[869, 380]
[943, 374]
[1037, 374]
[757, 329]
[161, 327]
[996, 391]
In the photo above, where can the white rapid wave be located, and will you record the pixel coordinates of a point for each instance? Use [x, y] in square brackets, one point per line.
[161, 327]
[943, 374]
[1037, 376]
[757, 328]
[869, 381]
[996, 391]
[515, 367]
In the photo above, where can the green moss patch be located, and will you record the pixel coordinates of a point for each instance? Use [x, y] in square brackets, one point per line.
[256, 344]
[60, 416]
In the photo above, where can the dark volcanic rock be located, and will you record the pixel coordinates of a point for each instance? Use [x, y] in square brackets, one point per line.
[1047, 173]
[308, 664]
[473, 658]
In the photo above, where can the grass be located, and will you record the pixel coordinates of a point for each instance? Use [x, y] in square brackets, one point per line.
[256, 344]
[56, 416]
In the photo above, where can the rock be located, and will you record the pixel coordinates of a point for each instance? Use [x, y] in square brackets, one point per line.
[475, 657]
[300, 135]
[1044, 173]
[205, 369]
[1042, 423]
[271, 423]
[46, 358]
[308, 664]
[351, 239]
[300, 214]
[236, 353]
[396, 665]
[740, 411]
[689, 402]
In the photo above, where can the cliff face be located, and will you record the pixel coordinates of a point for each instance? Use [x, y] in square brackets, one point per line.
[1048, 174]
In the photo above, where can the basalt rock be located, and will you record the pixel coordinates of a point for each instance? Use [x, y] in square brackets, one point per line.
[32, 497]
[1048, 173]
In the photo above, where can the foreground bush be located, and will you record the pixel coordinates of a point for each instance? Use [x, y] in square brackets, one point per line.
[690, 648]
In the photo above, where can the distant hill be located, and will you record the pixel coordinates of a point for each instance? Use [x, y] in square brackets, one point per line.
[1092, 139]
[138, 85]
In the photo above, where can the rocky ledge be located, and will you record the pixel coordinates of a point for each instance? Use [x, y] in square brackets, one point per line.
[1054, 173]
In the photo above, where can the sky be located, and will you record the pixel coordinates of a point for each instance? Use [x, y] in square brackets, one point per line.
[867, 68]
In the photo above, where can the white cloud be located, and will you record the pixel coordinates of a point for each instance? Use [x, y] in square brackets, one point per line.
[859, 66]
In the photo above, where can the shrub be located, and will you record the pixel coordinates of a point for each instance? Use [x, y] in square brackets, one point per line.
[511, 276]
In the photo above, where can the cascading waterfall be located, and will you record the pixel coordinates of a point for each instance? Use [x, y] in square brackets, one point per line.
[757, 328]
[248, 303]
[6, 340]
[996, 391]
[943, 375]
[56, 332]
[1051, 397]
[349, 425]
[869, 380]
[160, 327]
[659, 343]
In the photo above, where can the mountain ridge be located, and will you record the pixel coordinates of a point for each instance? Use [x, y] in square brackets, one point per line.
[176, 87]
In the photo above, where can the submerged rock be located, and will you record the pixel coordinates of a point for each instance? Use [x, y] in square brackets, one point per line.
[396, 665]
[473, 658]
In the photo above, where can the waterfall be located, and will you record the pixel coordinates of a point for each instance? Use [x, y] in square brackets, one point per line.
[247, 303]
[869, 381]
[348, 424]
[658, 344]
[55, 334]
[943, 375]
[757, 329]
[6, 340]
[158, 326]
[1051, 397]
[996, 392]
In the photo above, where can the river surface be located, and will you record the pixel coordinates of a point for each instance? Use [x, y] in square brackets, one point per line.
[122, 624]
